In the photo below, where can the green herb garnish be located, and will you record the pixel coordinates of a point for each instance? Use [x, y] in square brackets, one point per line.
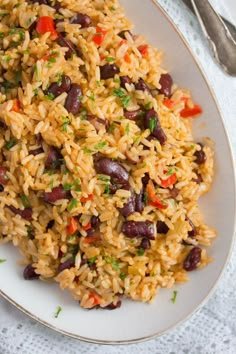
[100, 145]
[91, 97]
[50, 96]
[110, 59]
[3, 260]
[127, 129]
[114, 264]
[92, 260]
[88, 151]
[152, 124]
[140, 252]
[122, 275]
[12, 142]
[57, 313]
[104, 179]
[73, 204]
[173, 299]
[66, 122]
[25, 201]
[125, 100]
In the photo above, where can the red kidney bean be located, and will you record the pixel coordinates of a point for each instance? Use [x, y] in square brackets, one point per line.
[36, 152]
[122, 34]
[174, 192]
[108, 71]
[113, 169]
[145, 179]
[199, 179]
[57, 193]
[113, 306]
[145, 244]
[1, 188]
[73, 100]
[141, 85]
[3, 175]
[133, 229]
[55, 5]
[2, 125]
[25, 213]
[57, 89]
[133, 115]
[63, 42]
[200, 156]
[193, 259]
[54, 158]
[166, 84]
[29, 273]
[162, 228]
[193, 232]
[50, 225]
[69, 263]
[95, 221]
[151, 121]
[139, 204]
[129, 207]
[82, 20]
[98, 123]
[38, 139]
[125, 80]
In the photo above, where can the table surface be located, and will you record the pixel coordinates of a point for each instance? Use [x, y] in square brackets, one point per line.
[213, 328]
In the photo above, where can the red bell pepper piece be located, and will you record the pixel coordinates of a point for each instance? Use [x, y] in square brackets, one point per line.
[99, 36]
[153, 198]
[72, 226]
[85, 199]
[165, 183]
[191, 112]
[45, 24]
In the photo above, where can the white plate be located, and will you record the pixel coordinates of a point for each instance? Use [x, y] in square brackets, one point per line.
[136, 321]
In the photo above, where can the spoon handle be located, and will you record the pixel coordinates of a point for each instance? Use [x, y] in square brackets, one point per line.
[218, 35]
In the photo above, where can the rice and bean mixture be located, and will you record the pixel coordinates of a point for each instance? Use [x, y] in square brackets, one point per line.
[99, 171]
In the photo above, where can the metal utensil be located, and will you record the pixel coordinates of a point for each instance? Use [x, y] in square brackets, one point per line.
[228, 24]
[218, 35]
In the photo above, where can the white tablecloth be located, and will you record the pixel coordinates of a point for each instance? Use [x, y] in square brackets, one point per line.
[213, 328]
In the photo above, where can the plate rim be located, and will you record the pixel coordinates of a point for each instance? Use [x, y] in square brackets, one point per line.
[233, 241]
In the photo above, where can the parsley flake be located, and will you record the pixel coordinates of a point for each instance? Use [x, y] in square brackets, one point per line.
[92, 260]
[3, 260]
[140, 252]
[57, 313]
[110, 59]
[152, 124]
[173, 299]
[12, 142]
[25, 201]
[73, 204]
[100, 145]
[120, 93]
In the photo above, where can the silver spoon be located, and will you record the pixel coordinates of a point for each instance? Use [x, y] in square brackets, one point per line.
[218, 35]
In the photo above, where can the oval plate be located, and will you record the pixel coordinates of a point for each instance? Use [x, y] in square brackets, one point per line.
[136, 321]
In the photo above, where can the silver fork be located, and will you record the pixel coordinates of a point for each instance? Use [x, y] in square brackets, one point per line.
[218, 35]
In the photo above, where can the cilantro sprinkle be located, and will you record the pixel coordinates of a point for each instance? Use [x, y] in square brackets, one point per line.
[140, 252]
[152, 124]
[100, 145]
[3, 260]
[12, 142]
[173, 299]
[57, 313]
[125, 100]
[25, 201]
[73, 204]
[92, 260]
[122, 275]
[110, 59]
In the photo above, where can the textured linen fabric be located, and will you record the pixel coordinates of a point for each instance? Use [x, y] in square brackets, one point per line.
[213, 328]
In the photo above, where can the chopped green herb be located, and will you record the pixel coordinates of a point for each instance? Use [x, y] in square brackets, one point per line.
[170, 171]
[111, 128]
[125, 100]
[16, 5]
[148, 105]
[122, 275]
[25, 201]
[36, 91]
[110, 59]
[173, 299]
[2, 260]
[98, 83]
[103, 178]
[73, 249]
[30, 231]
[73, 204]
[18, 76]
[36, 71]
[112, 8]
[52, 183]
[12, 142]
[92, 260]
[91, 97]
[153, 274]
[50, 96]
[68, 186]
[6, 58]
[88, 151]
[127, 129]
[145, 198]
[143, 165]
[57, 313]
[66, 122]
[71, 237]
[152, 124]
[59, 80]
[100, 145]
[26, 51]
[140, 252]
[107, 189]
[117, 80]
[114, 264]
[2, 34]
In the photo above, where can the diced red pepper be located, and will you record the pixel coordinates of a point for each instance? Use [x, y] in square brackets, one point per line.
[96, 299]
[45, 24]
[16, 105]
[90, 239]
[168, 103]
[87, 227]
[48, 56]
[72, 226]
[143, 49]
[127, 58]
[99, 36]
[165, 183]
[85, 199]
[191, 112]
[153, 198]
